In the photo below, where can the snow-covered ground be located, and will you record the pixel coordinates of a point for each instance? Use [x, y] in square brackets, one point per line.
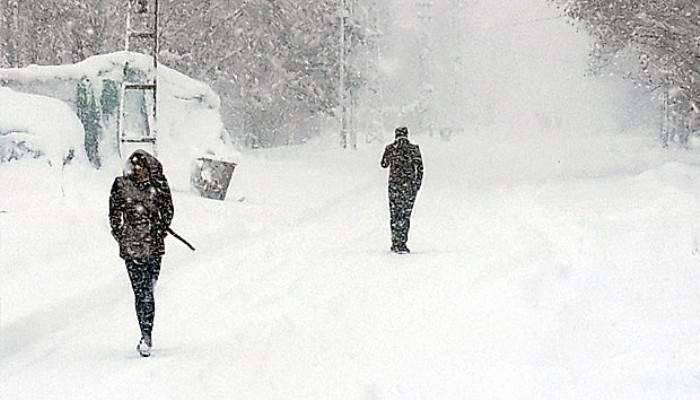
[545, 267]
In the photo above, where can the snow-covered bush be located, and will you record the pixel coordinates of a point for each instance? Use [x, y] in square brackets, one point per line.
[33, 126]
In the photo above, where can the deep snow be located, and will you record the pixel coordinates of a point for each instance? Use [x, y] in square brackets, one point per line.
[53, 136]
[548, 267]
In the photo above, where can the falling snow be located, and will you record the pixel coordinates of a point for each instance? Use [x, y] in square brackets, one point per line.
[549, 175]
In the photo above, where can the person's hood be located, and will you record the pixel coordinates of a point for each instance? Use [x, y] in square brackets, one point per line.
[145, 160]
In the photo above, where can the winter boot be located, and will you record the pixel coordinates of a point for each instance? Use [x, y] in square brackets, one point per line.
[144, 347]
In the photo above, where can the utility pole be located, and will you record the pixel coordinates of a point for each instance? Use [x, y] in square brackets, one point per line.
[348, 134]
[373, 132]
[425, 56]
[341, 87]
[457, 87]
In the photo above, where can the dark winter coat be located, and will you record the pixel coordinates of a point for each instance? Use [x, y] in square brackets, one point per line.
[141, 212]
[405, 166]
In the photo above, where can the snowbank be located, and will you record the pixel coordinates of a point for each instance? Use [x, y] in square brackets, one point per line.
[574, 278]
[38, 126]
[189, 120]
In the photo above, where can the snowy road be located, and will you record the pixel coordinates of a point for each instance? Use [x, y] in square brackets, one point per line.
[564, 273]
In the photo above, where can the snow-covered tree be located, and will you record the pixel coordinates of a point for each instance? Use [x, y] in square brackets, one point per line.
[654, 42]
[275, 62]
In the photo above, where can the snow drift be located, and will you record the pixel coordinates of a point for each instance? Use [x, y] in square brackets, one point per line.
[189, 120]
[38, 126]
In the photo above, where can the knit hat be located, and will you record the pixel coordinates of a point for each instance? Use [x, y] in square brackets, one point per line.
[401, 132]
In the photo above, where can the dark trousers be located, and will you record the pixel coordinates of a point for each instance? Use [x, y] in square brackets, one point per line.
[144, 274]
[400, 208]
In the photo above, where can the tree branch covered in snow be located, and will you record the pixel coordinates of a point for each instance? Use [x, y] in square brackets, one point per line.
[654, 42]
[276, 62]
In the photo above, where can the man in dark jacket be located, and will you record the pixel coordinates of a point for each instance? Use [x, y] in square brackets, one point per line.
[405, 177]
[140, 212]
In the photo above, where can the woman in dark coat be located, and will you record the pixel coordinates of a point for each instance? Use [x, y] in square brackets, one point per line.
[140, 212]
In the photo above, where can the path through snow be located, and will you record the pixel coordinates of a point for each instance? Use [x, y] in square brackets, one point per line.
[543, 271]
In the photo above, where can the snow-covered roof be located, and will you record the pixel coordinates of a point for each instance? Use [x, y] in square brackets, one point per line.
[189, 124]
[111, 66]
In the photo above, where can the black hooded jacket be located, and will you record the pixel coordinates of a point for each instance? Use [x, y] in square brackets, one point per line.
[405, 166]
[141, 212]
